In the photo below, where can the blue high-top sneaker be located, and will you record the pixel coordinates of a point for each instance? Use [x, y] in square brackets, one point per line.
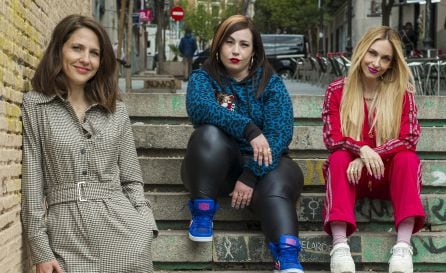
[285, 255]
[200, 228]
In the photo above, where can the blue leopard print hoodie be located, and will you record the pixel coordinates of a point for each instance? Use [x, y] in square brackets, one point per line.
[271, 114]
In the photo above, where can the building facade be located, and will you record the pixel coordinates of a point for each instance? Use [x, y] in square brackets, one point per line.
[367, 13]
[25, 28]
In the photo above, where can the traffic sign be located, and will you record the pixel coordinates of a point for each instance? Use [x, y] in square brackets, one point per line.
[145, 15]
[177, 13]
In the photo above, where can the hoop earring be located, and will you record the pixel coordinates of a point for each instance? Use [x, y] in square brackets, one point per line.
[216, 56]
[252, 61]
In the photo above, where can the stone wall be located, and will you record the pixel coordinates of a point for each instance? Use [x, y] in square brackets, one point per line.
[25, 28]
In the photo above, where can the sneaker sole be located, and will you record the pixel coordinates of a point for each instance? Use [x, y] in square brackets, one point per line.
[343, 271]
[200, 239]
[401, 271]
[349, 271]
[290, 271]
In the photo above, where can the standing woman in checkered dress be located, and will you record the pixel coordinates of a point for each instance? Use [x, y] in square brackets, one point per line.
[83, 206]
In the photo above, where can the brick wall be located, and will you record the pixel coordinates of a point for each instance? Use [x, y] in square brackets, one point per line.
[25, 28]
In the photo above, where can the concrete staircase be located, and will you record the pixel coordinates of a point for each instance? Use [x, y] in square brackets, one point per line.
[161, 130]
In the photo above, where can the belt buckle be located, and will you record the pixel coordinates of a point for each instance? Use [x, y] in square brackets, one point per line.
[79, 191]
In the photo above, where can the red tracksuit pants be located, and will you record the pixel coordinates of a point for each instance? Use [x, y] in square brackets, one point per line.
[401, 184]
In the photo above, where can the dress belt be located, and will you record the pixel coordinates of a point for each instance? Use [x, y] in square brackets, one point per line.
[81, 192]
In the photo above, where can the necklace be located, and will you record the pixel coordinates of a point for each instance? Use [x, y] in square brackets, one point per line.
[369, 99]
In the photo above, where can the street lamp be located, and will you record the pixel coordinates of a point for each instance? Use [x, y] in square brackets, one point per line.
[321, 26]
[349, 46]
[427, 42]
[249, 8]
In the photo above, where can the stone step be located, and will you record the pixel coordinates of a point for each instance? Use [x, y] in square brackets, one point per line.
[166, 88]
[166, 171]
[305, 106]
[172, 206]
[305, 138]
[369, 249]
[245, 271]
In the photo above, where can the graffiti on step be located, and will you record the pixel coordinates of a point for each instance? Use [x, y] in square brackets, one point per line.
[316, 246]
[313, 205]
[381, 208]
[360, 208]
[311, 208]
[177, 103]
[430, 246]
[433, 174]
[312, 170]
[227, 245]
[160, 84]
[439, 211]
[439, 178]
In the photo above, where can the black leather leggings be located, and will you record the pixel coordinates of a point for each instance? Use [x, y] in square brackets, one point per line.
[212, 165]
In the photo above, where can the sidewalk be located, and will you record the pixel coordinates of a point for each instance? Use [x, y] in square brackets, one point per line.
[293, 86]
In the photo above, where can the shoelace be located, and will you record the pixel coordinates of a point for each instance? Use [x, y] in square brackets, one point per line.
[401, 251]
[202, 221]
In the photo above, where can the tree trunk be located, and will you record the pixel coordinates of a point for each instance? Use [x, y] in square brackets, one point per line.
[128, 69]
[159, 33]
[310, 43]
[386, 10]
[121, 25]
[245, 7]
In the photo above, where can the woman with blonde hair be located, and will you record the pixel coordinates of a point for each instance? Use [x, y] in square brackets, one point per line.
[371, 130]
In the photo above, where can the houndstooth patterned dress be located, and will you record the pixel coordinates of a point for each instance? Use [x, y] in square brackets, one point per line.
[82, 191]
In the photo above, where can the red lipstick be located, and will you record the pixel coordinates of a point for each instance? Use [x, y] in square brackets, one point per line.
[372, 70]
[234, 60]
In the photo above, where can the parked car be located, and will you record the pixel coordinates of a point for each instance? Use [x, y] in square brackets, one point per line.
[199, 58]
[282, 50]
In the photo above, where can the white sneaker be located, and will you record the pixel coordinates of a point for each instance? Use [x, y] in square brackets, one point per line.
[341, 259]
[401, 259]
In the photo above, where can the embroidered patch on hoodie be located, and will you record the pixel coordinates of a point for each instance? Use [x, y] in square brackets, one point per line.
[226, 101]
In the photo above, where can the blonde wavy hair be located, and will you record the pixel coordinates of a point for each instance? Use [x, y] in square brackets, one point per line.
[385, 111]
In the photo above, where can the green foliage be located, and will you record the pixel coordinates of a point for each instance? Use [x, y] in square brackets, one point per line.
[290, 16]
[175, 50]
[201, 20]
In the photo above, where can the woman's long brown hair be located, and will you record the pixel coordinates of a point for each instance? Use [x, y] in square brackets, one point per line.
[50, 79]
